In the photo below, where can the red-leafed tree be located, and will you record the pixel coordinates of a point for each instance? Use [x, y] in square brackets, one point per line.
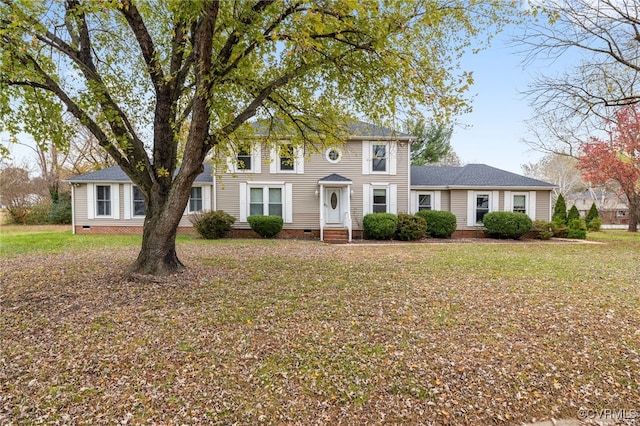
[617, 160]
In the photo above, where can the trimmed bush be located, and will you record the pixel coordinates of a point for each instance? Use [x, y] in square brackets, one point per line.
[212, 225]
[542, 230]
[573, 214]
[440, 224]
[577, 229]
[410, 227]
[507, 224]
[265, 226]
[380, 226]
[560, 211]
[559, 228]
[594, 224]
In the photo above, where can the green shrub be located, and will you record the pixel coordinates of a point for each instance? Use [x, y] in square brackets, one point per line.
[265, 226]
[410, 227]
[380, 226]
[594, 224]
[542, 230]
[507, 224]
[560, 211]
[577, 229]
[39, 214]
[573, 214]
[212, 225]
[440, 224]
[61, 210]
[593, 214]
[559, 228]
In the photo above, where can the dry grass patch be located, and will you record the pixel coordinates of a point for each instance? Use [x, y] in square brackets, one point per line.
[299, 332]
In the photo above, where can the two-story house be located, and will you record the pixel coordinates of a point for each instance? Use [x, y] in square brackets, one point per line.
[323, 194]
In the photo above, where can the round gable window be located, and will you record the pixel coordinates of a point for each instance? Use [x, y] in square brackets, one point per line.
[333, 155]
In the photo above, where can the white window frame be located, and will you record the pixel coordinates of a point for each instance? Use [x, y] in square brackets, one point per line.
[391, 193]
[391, 153]
[328, 152]
[202, 204]
[92, 201]
[472, 197]
[256, 161]
[298, 159]
[436, 200]
[287, 199]
[133, 202]
[530, 202]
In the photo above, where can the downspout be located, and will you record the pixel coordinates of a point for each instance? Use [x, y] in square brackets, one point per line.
[321, 212]
[73, 209]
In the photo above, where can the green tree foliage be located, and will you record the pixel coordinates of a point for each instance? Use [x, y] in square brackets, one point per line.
[560, 211]
[591, 214]
[432, 143]
[146, 77]
[573, 214]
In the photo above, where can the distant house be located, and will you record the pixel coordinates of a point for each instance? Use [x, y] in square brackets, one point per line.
[320, 195]
[612, 209]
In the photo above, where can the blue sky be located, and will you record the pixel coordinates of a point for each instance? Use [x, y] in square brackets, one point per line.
[492, 134]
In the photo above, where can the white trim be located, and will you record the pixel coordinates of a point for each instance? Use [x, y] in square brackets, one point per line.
[366, 199]
[91, 201]
[437, 200]
[472, 196]
[328, 151]
[206, 198]
[415, 200]
[494, 202]
[366, 157]
[256, 161]
[392, 199]
[298, 159]
[128, 201]
[115, 201]
[243, 201]
[532, 204]
[471, 208]
[287, 209]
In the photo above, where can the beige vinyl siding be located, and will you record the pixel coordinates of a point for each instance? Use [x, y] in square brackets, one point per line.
[81, 201]
[445, 201]
[458, 206]
[543, 205]
[306, 206]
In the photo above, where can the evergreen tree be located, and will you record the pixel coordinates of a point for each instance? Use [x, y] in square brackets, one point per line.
[591, 214]
[573, 214]
[560, 210]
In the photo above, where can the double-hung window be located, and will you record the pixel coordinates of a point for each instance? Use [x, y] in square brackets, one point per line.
[265, 201]
[286, 158]
[424, 202]
[380, 202]
[520, 203]
[195, 201]
[244, 159]
[139, 206]
[482, 206]
[103, 200]
[379, 155]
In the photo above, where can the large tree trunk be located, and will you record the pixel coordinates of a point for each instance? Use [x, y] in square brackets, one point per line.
[634, 212]
[165, 207]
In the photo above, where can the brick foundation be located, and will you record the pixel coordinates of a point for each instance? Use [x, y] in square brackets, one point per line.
[122, 230]
[469, 233]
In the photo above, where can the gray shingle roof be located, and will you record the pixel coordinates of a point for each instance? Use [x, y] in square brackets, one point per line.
[115, 174]
[471, 175]
[334, 178]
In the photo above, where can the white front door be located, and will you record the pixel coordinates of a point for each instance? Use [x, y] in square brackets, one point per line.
[333, 206]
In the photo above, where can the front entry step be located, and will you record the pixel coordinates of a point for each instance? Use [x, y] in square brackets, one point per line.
[336, 236]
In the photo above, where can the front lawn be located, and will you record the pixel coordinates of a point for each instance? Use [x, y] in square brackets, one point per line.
[286, 332]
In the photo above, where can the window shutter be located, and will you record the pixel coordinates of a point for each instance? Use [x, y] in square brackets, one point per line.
[471, 208]
[257, 158]
[532, 205]
[91, 201]
[128, 201]
[366, 199]
[206, 198]
[366, 157]
[437, 200]
[508, 201]
[413, 202]
[393, 199]
[288, 203]
[115, 201]
[392, 157]
[298, 153]
[273, 160]
[243, 202]
[495, 201]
